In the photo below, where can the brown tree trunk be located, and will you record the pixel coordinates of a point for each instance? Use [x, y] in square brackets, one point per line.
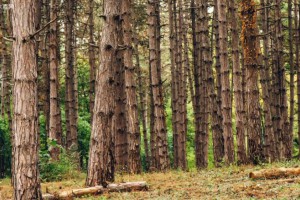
[160, 128]
[142, 99]
[173, 56]
[289, 152]
[198, 111]
[237, 85]
[55, 117]
[25, 122]
[133, 129]
[120, 120]
[269, 143]
[218, 139]
[225, 84]
[101, 155]
[71, 127]
[92, 58]
[285, 136]
[251, 59]
[297, 66]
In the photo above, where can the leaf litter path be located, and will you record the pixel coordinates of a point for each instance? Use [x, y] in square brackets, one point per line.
[218, 183]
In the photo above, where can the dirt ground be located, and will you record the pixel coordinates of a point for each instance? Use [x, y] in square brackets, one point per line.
[221, 183]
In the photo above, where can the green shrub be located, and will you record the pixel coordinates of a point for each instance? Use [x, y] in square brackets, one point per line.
[64, 168]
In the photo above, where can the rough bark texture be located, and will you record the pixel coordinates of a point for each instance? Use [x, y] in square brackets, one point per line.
[218, 139]
[275, 173]
[282, 134]
[25, 121]
[159, 127]
[122, 187]
[71, 124]
[225, 84]
[269, 141]
[174, 82]
[55, 117]
[237, 85]
[120, 120]
[297, 66]
[92, 57]
[142, 102]
[133, 129]
[251, 59]
[101, 155]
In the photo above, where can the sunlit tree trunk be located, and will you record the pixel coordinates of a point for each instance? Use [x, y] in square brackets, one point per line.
[101, 155]
[25, 121]
[251, 61]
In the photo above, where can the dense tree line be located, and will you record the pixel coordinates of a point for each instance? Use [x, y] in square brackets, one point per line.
[119, 66]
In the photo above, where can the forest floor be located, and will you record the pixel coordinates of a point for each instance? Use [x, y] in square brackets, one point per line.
[217, 183]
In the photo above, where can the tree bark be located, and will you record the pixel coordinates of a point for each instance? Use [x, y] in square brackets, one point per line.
[133, 129]
[159, 127]
[218, 139]
[142, 98]
[237, 85]
[92, 58]
[25, 121]
[71, 125]
[225, 84]
[55, 117]
[122, 187]
[275, 173]
[101, 155]
[251, 60]
[269, 140]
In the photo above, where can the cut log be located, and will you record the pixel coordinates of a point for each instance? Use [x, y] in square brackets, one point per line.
[275, 173]
[121, 187]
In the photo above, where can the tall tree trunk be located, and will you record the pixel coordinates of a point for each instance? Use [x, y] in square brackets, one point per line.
[251, 59]
[269, 140]
[297, 55]
[218, 139]
[197, 111]
[142, 99]
[25, 122]
[237, 85]
[284, 135]
[133, 129]
[160, 128]
[179, 82]
[55, 117]
[71, 127]
[120, 120]
[289, 153]
[101, 156]
[92, 57]
[225, 84]
[174, 97]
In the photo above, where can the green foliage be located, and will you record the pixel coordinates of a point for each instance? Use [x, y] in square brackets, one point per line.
[5, 148]
[56, 170]
[84, 132]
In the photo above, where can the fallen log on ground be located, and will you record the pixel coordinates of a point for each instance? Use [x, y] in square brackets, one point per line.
[121, 187]
[275, 173]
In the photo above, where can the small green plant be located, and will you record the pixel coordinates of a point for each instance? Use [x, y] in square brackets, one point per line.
[61, 169]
